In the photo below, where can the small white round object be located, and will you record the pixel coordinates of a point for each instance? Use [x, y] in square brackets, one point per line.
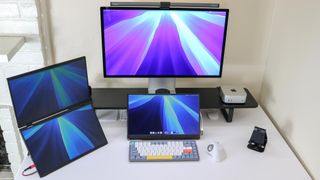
[213, 115]
[216, 151]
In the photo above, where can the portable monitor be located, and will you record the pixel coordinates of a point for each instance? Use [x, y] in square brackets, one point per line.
[170, 116]
[40, 93]
[63, 139]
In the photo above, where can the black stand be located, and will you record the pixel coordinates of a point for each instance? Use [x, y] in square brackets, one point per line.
[227, 115]
[258, 139]
[116, 98]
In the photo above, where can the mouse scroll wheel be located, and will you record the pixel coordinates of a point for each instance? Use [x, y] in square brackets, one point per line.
[210, 147]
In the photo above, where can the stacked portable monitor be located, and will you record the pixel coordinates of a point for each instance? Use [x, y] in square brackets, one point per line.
[54, 114]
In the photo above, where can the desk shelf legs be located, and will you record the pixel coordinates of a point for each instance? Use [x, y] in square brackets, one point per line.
[227, 115]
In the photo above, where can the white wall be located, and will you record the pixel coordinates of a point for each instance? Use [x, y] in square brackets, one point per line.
[291, 87]
[17, 17]
[76, 32]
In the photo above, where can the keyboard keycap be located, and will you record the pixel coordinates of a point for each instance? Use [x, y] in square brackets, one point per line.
[159, 157]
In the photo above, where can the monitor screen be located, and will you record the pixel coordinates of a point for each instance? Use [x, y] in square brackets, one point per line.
[160, 116]
[44, 92]
[163, 43]
[62, 139]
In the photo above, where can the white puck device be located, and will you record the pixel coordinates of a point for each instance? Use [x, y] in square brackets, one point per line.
[233, 95]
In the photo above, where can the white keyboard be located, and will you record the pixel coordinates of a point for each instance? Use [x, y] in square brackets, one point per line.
[163, 150]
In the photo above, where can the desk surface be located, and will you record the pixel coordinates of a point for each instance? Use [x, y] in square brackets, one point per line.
[111, 161]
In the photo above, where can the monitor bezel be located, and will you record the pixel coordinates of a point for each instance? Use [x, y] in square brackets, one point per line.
[161, 76]
[162, 136]
[82, 58]
[62, 114]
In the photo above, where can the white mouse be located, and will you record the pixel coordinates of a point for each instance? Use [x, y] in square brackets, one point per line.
[213, 115]
[216, 151]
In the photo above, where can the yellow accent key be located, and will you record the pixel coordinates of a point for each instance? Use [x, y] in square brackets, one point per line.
[159, 157]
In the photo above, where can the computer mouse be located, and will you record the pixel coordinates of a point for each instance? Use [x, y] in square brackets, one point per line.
[216, 151]
[213, 115]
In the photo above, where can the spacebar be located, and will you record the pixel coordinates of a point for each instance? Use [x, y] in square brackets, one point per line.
[159, 157]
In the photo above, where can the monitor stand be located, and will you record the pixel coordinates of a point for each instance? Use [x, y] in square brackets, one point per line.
[162, 84]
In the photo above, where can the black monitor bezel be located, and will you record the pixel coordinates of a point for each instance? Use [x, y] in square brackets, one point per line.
[44, 69]
[162, 76]
[162, 136]
[58, 115]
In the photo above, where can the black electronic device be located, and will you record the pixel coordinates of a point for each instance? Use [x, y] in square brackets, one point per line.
[64, 85]
[64, 138]
[160, 4]
[163, 116]
[258, 139]
[54, 114]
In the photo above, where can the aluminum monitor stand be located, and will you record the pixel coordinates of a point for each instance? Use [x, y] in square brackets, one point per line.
[162, 83]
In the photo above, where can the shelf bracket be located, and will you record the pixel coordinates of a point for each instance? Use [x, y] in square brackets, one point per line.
[228, 115]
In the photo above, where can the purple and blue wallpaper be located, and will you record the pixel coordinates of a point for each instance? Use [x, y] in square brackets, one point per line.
[163, 114]
[163, 42]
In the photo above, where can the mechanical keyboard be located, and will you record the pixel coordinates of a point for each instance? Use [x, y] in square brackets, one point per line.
[163, 150]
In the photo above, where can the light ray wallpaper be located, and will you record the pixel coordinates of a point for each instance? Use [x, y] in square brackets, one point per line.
[58, 141]
[48, 91]
[163, 114]
[163, 42]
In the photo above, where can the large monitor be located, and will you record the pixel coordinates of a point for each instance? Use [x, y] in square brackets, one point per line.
[140, 42]
[40, 93]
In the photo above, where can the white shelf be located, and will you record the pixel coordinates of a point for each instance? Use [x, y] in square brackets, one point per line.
[9, 46]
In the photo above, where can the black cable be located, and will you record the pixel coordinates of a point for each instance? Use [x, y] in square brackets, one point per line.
[27, 169]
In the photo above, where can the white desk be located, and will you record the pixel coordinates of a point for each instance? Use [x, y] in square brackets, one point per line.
[111, 161]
